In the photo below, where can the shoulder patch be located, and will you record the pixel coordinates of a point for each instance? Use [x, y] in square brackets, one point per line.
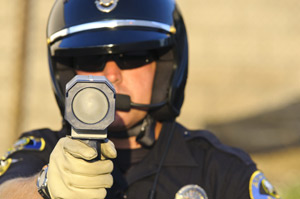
[261, 188]
[26, 143]
[5, 164]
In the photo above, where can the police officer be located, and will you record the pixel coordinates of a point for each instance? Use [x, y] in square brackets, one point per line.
[141, 48]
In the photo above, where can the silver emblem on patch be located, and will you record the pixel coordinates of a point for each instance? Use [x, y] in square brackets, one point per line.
[191, 191]
[106, 5]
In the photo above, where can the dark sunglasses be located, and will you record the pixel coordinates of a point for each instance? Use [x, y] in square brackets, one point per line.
[96, 63]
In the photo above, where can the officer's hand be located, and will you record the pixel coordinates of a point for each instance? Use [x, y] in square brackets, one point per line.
[71, 176]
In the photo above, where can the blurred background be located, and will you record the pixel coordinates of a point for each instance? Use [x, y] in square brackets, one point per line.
[244, 78]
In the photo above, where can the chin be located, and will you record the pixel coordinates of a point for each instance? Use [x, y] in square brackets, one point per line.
[125, 120]
[119, 124]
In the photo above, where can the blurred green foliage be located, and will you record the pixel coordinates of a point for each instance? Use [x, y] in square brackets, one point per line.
[292, 192]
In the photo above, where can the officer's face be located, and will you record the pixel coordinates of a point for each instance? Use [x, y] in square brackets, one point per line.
[136, 82]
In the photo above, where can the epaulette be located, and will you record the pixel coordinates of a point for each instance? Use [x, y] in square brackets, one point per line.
[215, 142]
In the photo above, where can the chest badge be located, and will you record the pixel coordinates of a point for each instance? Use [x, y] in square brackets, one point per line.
[191, 191]
[106, 5]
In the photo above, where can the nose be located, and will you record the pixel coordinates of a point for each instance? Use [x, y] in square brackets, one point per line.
[112, 72]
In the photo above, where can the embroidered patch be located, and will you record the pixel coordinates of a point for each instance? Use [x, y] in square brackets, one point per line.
[26, 143]
[261, 188]
[191, 191]
[5, 164]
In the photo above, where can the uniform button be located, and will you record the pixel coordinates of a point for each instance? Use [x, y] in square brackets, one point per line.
[186, 133]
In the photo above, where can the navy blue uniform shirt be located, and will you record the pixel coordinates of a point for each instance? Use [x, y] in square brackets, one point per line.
[195, 164]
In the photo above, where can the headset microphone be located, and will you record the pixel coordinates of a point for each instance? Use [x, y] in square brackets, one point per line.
[124, 103]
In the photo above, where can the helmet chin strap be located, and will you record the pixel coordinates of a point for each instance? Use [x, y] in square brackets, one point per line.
[144, 131]
[147, 135]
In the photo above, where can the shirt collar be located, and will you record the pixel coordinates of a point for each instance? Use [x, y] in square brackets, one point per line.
[178, 153]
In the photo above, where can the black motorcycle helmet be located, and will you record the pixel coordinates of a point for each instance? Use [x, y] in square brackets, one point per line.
[97, 27]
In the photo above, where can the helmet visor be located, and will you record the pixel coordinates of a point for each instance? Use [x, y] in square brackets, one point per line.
[109, 42]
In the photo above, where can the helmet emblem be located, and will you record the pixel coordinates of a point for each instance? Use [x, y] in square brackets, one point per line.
[106, 5]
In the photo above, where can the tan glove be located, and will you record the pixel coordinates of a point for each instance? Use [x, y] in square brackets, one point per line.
[71, 176]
